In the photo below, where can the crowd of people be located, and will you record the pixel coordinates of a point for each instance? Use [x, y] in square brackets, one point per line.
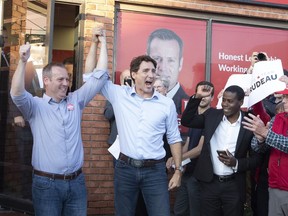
[222, 144]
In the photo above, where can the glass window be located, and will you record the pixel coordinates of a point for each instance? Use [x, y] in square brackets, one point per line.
[233, 45]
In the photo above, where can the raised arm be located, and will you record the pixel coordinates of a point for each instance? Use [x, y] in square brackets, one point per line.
[98, 36]
[18, 80]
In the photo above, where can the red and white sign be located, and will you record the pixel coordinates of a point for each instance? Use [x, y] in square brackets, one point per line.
[233, 45]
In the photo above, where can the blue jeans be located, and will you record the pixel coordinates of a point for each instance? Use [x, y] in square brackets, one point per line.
[187, 200]
[153, 183]
[59, 197]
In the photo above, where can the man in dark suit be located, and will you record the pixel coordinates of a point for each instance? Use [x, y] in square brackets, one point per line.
[166, 48]
[222, 175]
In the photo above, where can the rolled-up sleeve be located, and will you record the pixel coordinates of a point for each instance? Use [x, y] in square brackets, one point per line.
[24, 103]
[173, 134]
[93, 85]
[277, 141]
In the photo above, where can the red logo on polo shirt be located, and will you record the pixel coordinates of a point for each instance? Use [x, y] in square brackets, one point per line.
[70, 107]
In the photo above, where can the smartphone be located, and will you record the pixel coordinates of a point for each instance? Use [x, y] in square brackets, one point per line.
[223, 152]
[128, 81]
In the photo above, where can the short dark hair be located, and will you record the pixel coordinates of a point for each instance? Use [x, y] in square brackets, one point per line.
[236, 89]
[165, 34]
[205, 83]
[136, 62]
[47, 70]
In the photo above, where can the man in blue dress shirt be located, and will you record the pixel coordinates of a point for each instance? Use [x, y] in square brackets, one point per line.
[143, 116]
[55, 119]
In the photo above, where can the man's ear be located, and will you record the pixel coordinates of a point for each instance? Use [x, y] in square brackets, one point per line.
[133, 74]
[181, 64]
[46, 80]
[241, 102]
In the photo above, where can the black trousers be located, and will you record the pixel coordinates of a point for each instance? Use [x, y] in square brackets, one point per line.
[221, 198]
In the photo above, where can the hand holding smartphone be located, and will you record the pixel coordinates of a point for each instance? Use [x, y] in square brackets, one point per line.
[223, 152]
[128, 81]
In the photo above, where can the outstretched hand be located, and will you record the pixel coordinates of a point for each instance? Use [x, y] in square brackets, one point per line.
[204, 91]
[257, 126]
[24, 52]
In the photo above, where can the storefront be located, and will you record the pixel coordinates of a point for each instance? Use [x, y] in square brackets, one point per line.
[218, 40]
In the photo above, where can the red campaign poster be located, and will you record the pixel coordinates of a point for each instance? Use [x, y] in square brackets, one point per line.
[184, 70]
[275, 3]
[133, 30]
[232, 47]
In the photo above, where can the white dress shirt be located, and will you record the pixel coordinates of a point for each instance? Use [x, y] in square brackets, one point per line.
[224, 138]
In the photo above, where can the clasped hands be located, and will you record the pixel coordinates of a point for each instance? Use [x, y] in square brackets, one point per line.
[99, 33]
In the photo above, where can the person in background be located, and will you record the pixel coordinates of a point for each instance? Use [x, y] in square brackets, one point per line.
[259, 176]
[143, 116]
[161, 85]
[187, 200]
[223, 162]
[273, 136]
[58, 186]
[69, 65]
[280, 108]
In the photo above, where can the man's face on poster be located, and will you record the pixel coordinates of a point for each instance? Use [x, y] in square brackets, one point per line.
[167, 55]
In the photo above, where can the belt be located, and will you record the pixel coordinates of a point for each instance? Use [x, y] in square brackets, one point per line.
[139, 163]
[69, 176]
[224, 178]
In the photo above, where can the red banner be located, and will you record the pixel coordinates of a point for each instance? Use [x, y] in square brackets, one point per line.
[232, 47]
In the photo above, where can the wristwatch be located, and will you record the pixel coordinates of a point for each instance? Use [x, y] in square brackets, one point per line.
[180, 168]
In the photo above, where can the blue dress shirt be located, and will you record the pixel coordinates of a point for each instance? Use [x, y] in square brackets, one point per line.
[142, 122]
[56, 127]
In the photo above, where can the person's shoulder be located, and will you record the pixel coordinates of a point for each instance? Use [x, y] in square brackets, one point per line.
[213, 111]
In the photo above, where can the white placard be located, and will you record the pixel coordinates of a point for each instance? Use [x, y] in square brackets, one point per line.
[263, 82]
[114, 149]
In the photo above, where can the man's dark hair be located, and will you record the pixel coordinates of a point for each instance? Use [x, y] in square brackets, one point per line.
[205, 83]
[236, 89]
[165, 34]
[136, 62]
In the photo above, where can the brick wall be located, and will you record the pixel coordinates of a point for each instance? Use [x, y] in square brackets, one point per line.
[98, 165]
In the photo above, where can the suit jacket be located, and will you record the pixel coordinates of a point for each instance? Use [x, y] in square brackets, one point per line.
[177, 98]
[209, 121]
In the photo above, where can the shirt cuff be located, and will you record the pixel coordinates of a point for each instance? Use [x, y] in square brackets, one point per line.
[96, 73]
[235, 168]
